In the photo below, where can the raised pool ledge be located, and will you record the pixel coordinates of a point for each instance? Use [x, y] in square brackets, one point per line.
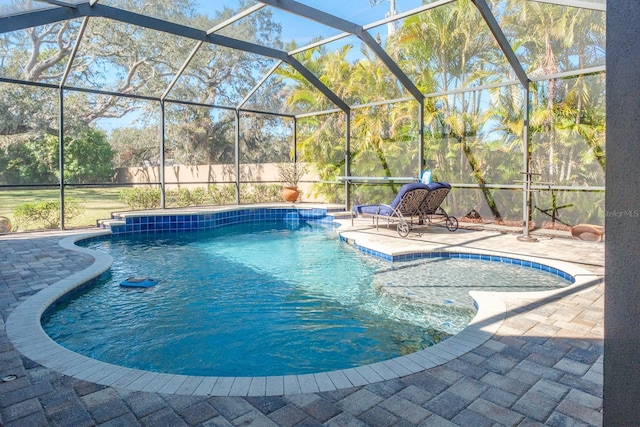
[580, 279]
[27, 335]
[202, 219]
[459, 253]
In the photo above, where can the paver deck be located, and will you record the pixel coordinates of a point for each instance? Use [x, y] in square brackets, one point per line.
[542, 366]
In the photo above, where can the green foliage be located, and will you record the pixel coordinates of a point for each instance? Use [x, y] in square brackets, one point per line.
[254, 193]
[141, 197]
[222, 194]
[27, 163]
[149, 197]
[186, 197]
[469, 137]
[261, 193]
[97, 203]
[88, 157]
[44, 214]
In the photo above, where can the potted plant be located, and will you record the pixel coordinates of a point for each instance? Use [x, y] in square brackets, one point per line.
[290, 174]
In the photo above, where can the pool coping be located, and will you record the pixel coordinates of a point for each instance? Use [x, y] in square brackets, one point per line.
[25, 332]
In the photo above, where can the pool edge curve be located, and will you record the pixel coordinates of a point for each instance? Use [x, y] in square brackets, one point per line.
[27, 335]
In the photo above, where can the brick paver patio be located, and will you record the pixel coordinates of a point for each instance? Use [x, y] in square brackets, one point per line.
[542, 367]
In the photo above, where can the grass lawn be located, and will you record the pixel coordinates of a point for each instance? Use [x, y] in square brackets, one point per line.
[94, 203]
[99, 203]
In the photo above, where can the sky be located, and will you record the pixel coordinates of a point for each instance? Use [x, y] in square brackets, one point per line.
[302, 30]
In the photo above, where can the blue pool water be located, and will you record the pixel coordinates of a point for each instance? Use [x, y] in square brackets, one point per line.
[267, 298]
[257, 299]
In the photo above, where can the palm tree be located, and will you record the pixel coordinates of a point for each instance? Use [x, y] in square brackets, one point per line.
[554, 39]
[372, 129]
[450, 49]
[321, 140]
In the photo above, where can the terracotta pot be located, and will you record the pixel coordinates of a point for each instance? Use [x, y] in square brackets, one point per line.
[290, 194]
[5, 225]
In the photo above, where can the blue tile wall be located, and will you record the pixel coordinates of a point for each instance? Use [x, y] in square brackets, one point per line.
[463, 255]
[205, 221]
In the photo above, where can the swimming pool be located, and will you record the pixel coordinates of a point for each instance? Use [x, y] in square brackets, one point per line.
[25, 331]
[258, 299]
[227, 306]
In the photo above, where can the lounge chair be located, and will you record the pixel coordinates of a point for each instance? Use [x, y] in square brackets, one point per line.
[430, 208]
[404, 208]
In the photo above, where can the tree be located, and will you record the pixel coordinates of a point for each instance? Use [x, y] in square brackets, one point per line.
[373, 128]
[197, 135]
[125, 58]
[27, 162]
[135, 146]
[451, 44]
[553, 39]
[87, 157]
[321, 139]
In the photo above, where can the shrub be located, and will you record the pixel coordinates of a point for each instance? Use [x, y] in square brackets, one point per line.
[222, 194]
[149, 198]
[257, 193]
[291, 173]
[44, 214]
[261, 193]
[184, 197]
[199, 196]
[88, 156]
[141, 197]
[179, 197]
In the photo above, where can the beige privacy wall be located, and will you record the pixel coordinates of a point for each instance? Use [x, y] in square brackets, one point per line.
[202, 175]
[195, 176]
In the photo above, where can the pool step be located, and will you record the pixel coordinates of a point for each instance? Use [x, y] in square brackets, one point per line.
[109, 223]
[341, 214]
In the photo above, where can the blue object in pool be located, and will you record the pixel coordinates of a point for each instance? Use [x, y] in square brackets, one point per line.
[139, 282]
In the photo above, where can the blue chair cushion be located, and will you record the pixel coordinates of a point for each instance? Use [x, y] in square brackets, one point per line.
[388, 210]
[436, 185]
[373, 210]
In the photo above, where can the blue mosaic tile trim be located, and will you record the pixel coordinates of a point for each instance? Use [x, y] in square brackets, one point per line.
[365, 250]
[72, 293]
[205, 221]
[461, 255]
